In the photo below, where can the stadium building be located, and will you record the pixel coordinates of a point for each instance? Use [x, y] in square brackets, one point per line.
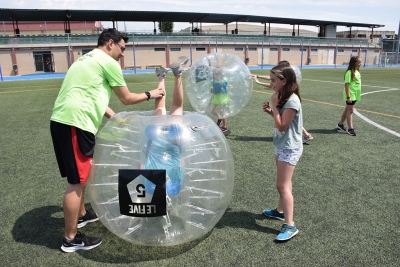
[25, 46]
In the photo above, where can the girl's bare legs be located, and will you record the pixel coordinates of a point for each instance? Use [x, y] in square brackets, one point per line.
[177, 97]
[348, 115]
[159, 103]
[224, 123]
[284, 185]
[305, 133]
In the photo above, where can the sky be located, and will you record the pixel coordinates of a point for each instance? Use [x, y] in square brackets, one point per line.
[382, 12]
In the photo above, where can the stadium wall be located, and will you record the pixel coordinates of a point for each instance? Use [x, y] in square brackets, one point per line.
[150, 55]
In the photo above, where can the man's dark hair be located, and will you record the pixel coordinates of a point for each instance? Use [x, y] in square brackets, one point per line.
[112, 34]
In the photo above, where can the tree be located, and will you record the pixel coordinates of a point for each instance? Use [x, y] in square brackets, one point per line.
[165, 27]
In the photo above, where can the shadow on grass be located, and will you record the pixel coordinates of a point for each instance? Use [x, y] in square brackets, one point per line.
[249, 138]
[245, 220]
[325, 131]
[44, 226]
[40, 227]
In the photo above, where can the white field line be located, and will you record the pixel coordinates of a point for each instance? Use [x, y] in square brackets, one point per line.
[362, 116]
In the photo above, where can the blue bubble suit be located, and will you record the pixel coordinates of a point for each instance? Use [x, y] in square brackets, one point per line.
[219, 85]
[199, 175]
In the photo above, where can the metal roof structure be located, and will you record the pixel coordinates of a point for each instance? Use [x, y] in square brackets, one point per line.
[19, 15]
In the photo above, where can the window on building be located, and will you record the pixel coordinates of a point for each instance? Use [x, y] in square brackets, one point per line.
[340, 50]
[175, 49]
[286, 49]
[200, 49]
[354, 51]
[159, 49]
[238, 48]
[85, 51]
[273, 49]
[252, 48]
[364, 50]
[314, 50]
[376, 51]
[303, 49]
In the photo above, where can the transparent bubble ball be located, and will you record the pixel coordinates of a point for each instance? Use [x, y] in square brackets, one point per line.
[298, 74]
[219, 85]
[197, 193]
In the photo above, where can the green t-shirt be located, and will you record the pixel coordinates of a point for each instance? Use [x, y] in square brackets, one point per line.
[86, 91]
[355, 86]
[220, 91]
[291, 138]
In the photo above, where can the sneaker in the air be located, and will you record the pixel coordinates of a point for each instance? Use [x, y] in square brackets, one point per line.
[179, 65]
[287, 232]
[161, 72]
[351, 132]
[341, 127]
[80, 242]
[87, 218]
[274, 214]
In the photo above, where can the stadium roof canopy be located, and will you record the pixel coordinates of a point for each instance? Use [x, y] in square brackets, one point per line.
[19, 15]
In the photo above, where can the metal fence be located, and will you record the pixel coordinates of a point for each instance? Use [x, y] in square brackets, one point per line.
[189, 39]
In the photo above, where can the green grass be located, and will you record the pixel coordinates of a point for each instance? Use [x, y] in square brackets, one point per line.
[345, 188]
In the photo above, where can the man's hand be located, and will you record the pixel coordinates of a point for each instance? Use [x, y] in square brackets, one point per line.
[157, 93]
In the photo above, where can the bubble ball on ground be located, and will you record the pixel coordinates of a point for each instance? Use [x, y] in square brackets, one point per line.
[194, 195]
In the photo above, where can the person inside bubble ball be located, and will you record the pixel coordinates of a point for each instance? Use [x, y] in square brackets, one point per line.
[220, 96]
[163, 146]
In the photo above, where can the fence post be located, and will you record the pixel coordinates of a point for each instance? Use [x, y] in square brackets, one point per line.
[262, 53]
[397, 46]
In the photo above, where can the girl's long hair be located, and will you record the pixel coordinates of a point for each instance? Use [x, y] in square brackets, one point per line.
[291, 86]
[352, 67]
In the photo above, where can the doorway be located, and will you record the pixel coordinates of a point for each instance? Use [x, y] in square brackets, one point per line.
[44, 61]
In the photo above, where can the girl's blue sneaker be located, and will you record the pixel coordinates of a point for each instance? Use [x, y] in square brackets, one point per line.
[287, 232]
[274, 214]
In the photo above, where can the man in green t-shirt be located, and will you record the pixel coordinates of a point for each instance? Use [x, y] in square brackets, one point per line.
[77, 114]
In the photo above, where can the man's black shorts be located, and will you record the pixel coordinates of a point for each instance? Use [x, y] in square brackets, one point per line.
[74, 151]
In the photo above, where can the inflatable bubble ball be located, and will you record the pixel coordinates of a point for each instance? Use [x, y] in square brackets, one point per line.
[219, 85]
[160, 180]
[298, 74]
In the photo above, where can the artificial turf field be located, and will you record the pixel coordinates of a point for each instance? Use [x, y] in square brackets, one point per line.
[346, 189]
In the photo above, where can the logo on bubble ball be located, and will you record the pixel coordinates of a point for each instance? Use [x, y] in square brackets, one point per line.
[142, 193]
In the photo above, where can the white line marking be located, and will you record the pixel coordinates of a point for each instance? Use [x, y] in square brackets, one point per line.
[391, 89]
[363, 117]
[376, 124]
